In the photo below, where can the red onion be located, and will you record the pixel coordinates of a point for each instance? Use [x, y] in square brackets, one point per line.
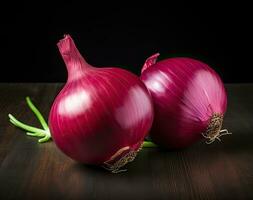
[189, 101]
[102, 115]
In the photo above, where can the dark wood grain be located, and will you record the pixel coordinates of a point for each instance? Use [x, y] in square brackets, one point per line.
[28, 170]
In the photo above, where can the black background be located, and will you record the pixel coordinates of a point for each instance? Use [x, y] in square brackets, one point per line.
[124, 34]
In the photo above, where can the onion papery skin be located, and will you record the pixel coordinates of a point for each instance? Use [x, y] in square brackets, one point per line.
[187, 94]
[101, 114]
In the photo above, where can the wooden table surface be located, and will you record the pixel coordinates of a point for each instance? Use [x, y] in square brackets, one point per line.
[28, 170]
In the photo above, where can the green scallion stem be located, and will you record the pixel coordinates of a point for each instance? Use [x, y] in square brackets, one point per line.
[33, 131]
[24, 126]
[37, 113]
[148, 144]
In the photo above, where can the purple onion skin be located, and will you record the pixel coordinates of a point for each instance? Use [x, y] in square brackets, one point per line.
[99, 111]
[186, 93]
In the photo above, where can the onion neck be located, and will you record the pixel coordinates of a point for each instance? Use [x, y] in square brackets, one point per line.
[75, 63]
[150, 61]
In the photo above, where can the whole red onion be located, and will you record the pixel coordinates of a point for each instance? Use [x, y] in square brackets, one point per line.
[102, 115]
[189, 101]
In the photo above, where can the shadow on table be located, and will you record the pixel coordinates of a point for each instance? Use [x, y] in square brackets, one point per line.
[143, 164]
